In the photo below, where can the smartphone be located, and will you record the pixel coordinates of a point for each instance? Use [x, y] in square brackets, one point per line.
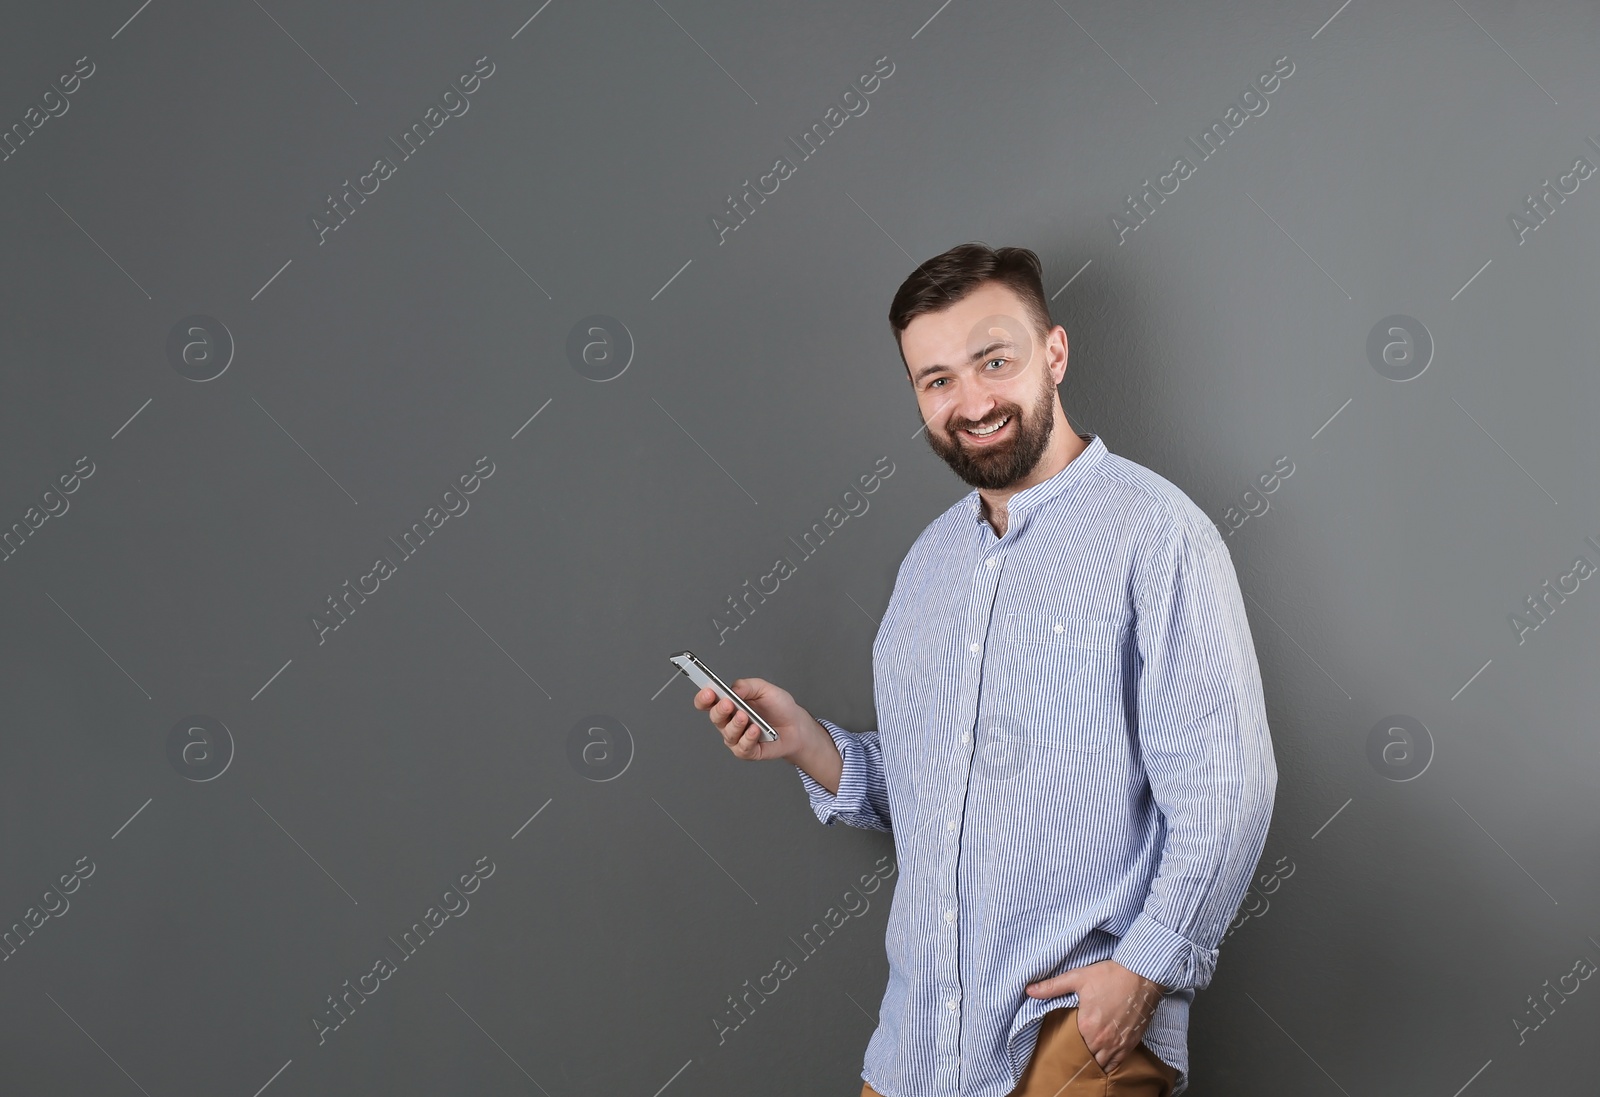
[703, 676]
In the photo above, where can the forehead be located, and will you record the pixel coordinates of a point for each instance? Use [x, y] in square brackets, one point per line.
[950, 336]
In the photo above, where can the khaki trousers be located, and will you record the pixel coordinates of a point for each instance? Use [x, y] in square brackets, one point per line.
[1063, 1066]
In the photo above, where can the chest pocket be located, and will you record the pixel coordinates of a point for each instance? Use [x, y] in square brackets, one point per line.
[1056, 681]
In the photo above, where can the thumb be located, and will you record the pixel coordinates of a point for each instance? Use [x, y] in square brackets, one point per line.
[752, 689]
[747, 687]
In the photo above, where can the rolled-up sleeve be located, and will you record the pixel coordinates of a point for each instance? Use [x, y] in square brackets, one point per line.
[863, 796]
[1202, 730]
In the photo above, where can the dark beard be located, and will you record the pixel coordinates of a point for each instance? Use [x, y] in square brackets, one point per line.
[998, 467]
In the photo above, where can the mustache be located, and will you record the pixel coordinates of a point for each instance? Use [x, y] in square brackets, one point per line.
[954, 426]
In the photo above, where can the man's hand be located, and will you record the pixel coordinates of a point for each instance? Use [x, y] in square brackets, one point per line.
[801, 739]
[776, 704]
[1114, 1007]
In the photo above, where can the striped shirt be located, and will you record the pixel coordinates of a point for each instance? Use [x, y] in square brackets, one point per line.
[1073, 758]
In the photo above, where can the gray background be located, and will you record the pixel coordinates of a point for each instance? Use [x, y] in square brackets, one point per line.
[642, 874]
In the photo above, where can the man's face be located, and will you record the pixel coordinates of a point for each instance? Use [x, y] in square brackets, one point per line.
[979, 363]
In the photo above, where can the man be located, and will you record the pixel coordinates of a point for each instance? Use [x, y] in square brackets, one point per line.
[1072, 751]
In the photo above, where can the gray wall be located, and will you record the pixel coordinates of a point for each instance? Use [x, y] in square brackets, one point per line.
[217, 811]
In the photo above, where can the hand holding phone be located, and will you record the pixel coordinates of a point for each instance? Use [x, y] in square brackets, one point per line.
[805, 742]
[704, 677]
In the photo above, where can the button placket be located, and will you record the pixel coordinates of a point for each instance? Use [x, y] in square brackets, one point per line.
[986, 583]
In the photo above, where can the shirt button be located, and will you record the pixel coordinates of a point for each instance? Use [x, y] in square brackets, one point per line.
[992, 561]
[963, 737]
[952, 1004]
[949, 916]
[1060, 629]
[951, 825]
[976, 648]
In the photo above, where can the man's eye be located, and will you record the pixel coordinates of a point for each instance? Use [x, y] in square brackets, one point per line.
[992, 361]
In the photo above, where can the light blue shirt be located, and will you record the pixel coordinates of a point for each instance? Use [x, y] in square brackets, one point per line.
[1072, 755]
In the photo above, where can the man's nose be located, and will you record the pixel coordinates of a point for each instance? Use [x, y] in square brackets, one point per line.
[975, 410]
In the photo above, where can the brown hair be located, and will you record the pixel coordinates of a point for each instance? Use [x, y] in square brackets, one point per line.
[949, 276]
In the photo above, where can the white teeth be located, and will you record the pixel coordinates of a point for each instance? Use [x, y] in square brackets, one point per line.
[991, 430]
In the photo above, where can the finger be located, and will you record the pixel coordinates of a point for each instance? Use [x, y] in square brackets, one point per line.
[721, 717]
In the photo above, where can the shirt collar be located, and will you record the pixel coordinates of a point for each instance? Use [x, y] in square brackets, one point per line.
[1029, 498]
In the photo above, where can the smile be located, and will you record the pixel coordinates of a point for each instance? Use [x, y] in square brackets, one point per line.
[987, 433]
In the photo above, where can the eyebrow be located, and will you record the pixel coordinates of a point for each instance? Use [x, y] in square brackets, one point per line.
[977, 355]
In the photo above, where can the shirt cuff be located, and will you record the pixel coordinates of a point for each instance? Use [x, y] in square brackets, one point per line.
[1163, 956]
[852, 795]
